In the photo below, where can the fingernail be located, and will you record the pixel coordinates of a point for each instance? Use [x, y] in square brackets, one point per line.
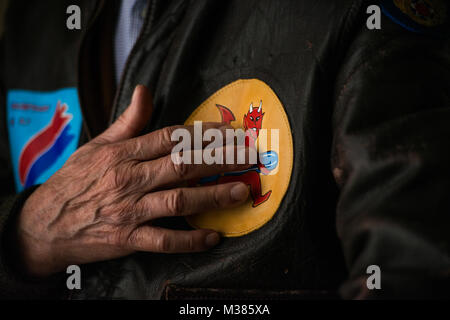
[212, 239]
[239, 192]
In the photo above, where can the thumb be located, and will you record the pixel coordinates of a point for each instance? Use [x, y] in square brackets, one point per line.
[133, 120]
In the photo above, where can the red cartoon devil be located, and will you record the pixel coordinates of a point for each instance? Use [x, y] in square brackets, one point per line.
[251, 177]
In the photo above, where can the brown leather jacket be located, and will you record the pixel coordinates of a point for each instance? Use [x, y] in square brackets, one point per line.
[369, 117]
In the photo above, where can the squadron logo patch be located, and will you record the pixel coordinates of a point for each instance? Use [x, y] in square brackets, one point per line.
[250, 105]
[429, 13]
[421, 16]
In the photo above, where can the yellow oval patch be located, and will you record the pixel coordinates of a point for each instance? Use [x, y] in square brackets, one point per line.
[250, 104]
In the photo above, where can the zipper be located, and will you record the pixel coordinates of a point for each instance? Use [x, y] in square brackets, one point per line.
[146, 26]
[99, 7]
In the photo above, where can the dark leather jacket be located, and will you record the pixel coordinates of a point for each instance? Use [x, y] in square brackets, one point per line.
[369, 112]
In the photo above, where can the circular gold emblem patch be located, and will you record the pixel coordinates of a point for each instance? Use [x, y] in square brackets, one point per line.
[250, 105]
[429, 13]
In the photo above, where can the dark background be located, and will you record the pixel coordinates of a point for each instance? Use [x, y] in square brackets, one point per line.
[3, 4]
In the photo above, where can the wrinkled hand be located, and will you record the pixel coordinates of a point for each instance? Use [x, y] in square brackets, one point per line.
[100, 204]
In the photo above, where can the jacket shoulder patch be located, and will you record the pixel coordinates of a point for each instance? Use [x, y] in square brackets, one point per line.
[420, 16]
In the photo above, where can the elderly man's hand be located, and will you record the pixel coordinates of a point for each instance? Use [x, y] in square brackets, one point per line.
[100, 205]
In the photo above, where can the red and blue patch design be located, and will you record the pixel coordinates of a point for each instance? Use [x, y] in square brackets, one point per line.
[428, 17]
[44, 129]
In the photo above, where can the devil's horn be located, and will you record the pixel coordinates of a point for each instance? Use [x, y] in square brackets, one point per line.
[260, 106]
[251, 107]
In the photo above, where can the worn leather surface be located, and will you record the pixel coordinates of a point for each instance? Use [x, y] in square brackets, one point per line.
[369, 117]
[173, 292]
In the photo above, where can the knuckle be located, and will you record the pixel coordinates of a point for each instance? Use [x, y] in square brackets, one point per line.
[133, 239]
[176, 202]
[181, 169]
[166, 133]
[142, 174]
[123, 176]
[115, 238]
[136, 147]
[116, 214]
[124, 216]
[166, 137]
[115, 178]
[216, 197]
[163, 243]
[190, 245]
[112, 153]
